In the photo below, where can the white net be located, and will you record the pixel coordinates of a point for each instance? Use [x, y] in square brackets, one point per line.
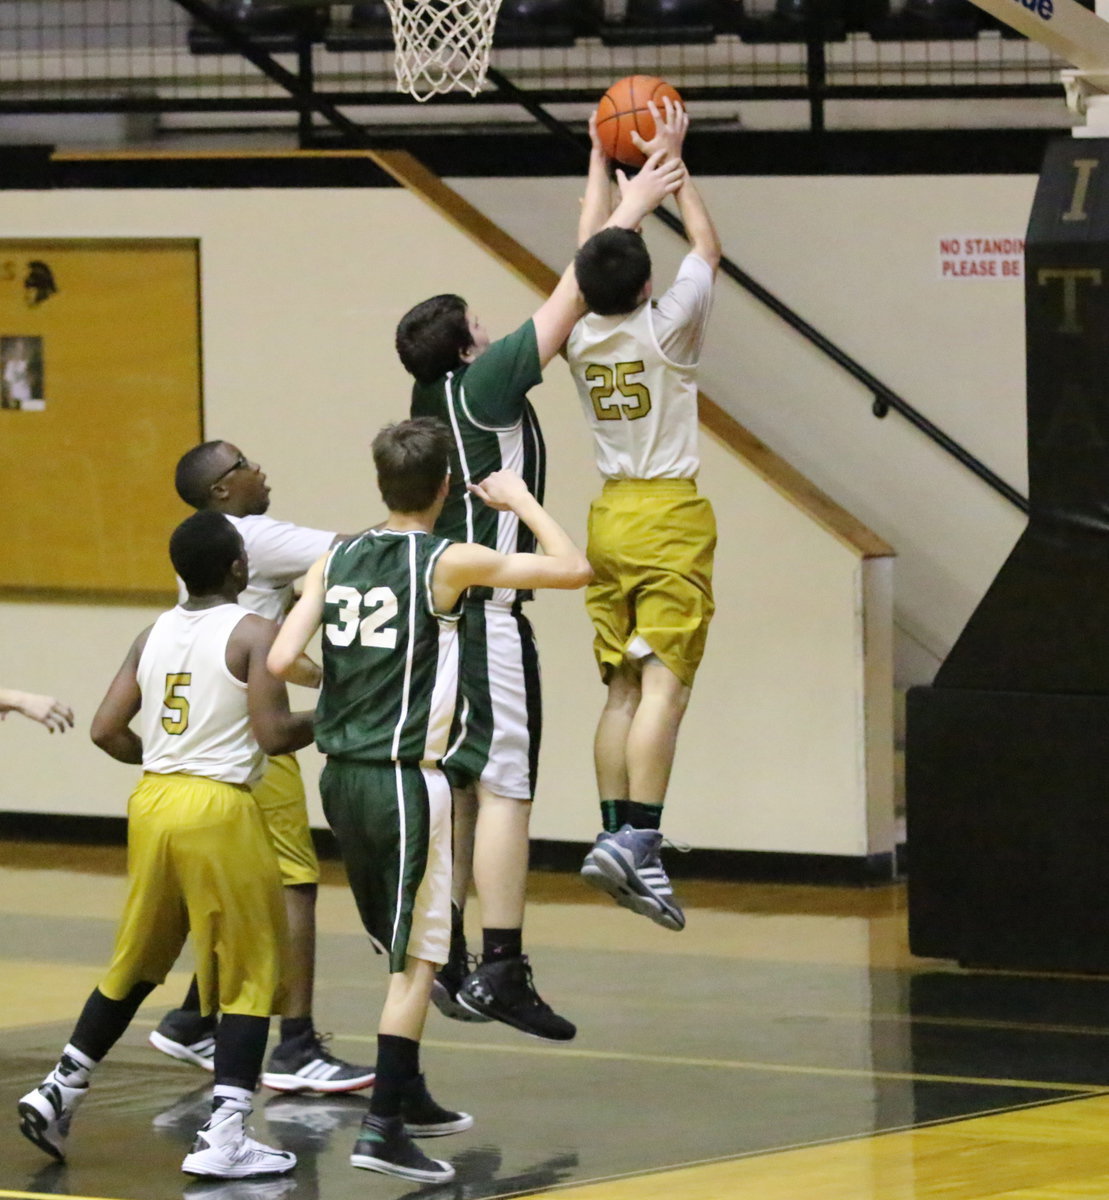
[442, 44]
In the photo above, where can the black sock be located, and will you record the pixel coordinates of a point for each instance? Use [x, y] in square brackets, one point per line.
[398, 1064]
[458, 929]
[644, 816]
[614, 814]
[240, 1048]
[191, 1003]
[497, 944]
[294, 1027]
[102, 1021]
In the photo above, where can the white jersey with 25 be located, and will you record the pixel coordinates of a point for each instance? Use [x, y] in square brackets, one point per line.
[636, 374]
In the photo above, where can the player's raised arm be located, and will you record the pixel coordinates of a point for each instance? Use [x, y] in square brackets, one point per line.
[699, 227]
[671, 126]
[598, 202]
[561, 565]
[557, 316]
[639, 196]
[287, 656]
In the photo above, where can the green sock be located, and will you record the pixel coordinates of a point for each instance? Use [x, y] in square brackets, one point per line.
[614, 814]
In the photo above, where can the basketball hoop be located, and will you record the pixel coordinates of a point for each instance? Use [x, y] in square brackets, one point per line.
[442, 44]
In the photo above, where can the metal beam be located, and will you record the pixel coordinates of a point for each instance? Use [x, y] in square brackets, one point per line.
[1065, 27]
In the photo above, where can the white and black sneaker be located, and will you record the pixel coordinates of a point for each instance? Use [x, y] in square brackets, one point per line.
[384, 1145]
[224, 1150]
[188, 1036]
[424, 1117]
[304, 1064]
[627, 866]
[45, 1114]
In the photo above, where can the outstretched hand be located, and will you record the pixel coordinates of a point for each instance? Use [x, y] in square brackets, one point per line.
[48, 711]
[671, 126]
[501, 491]
[659, 177]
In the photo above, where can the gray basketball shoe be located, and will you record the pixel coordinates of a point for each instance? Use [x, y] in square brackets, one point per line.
[627, 866]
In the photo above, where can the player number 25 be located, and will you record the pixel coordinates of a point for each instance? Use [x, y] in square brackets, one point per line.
[382, 605]
[607, 380]
[177, 701]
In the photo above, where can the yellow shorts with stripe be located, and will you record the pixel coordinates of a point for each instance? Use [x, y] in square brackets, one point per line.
[651, 544]
[280, 796]
[200, 862]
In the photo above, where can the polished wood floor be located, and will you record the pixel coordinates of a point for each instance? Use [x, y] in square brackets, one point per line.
[784, 1045]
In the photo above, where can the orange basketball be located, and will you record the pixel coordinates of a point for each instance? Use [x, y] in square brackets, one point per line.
[623, 110]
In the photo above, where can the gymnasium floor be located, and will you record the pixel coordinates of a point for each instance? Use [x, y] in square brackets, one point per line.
[784, 1045]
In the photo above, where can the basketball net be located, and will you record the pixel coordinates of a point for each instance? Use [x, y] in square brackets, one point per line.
[442, 44]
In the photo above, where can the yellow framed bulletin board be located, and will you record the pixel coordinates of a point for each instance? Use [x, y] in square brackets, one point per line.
[100, 394]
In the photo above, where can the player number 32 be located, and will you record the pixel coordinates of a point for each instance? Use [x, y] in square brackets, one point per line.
[606, 380]
[382, 605]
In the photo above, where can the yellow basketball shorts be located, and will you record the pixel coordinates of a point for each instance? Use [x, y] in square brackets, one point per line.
[200, 862]
[280, 796]
[651, 543]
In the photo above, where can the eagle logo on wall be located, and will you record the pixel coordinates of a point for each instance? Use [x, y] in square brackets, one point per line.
[38, 283]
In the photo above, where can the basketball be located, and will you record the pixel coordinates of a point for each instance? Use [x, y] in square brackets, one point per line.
[623, 110]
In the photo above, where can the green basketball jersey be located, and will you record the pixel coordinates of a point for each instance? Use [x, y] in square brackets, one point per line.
[390, 660]
[485, 405]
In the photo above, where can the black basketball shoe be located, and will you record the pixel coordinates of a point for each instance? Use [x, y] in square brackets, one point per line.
[502, 990]
[383, 1145]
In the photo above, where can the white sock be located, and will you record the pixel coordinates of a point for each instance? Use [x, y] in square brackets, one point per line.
[74, 1067]
[227, 1098]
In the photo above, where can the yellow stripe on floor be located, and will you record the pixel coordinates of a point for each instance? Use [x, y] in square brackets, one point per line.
[1055, 1151]
[38, 1196]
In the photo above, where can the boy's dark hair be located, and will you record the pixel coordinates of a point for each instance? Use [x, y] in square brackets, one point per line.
[611, 269]
[433, 336]
[412, 460]
[202, 549]
[193, 476]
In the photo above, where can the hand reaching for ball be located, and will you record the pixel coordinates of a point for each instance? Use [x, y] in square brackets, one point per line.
[659, 177]
[670, 129]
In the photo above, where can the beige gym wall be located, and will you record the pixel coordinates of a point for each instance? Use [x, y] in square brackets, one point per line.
[301, 292]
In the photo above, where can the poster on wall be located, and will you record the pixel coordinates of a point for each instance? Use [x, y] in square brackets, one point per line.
[22, 374]
[100, 394]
